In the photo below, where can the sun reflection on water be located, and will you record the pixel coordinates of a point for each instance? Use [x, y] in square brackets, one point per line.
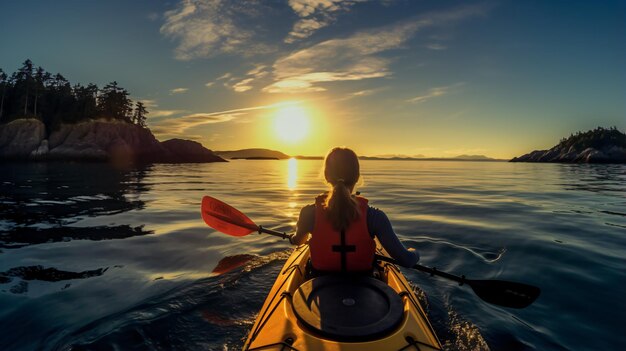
[292, 173]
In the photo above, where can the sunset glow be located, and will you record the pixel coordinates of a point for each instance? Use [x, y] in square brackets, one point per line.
[394, 78]
[291, 123]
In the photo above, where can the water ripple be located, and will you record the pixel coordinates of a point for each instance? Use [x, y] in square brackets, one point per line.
[176, 284]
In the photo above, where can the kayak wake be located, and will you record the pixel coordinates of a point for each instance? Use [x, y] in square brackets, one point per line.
[218, 310]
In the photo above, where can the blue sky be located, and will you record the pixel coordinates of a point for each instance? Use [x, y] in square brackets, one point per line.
[436, 78]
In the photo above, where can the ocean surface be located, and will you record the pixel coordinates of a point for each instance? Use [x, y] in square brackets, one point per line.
[94, 257]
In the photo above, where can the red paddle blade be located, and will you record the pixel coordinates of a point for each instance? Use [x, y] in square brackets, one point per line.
[225, 218]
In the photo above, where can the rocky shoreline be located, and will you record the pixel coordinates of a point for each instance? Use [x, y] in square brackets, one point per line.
[95, 140]
[600, 145]
[589, 155]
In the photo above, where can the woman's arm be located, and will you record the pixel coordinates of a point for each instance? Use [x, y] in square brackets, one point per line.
[305, 224]
[379, 224]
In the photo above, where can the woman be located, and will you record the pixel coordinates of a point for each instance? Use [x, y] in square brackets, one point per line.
[343, 226]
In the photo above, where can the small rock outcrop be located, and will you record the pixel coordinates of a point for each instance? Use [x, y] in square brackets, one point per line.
[187, 151]
[253, 154]
[595, 146]
[96, 140]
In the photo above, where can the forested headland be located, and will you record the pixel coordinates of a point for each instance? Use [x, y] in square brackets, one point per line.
[32, 92]
[43, 117]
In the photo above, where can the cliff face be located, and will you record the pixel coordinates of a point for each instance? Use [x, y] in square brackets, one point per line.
[98, 140]
[102, 140]
[595, 146]
[20, 138]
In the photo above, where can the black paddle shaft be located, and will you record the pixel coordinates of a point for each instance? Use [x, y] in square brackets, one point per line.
[432, 271]
[282, 235]
[498, 292]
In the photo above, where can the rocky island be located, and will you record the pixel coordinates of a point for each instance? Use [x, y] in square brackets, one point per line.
[95, 140]
[43, 117]
[253, 154]
[601, 145]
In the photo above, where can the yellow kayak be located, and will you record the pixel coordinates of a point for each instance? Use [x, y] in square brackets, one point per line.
[348, 313]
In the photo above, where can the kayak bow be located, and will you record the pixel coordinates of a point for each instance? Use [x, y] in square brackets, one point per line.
[346, 313]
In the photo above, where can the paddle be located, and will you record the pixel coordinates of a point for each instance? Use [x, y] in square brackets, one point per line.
[497, 292]
[231, 221]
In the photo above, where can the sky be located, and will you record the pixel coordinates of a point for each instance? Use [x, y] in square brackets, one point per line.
[384, 77]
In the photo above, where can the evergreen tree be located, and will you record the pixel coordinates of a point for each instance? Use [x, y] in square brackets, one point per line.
[86, 103]
[24, 82]
[60, 102]
[52, 99]
[40, 82]
[139, 117]
[3, 86]
[113, 102]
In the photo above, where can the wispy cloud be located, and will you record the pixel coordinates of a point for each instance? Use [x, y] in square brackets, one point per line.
[258, 71]
[433, 93]
[241, 85]
[354, 57]
[436, 47]
[153, 16]
[315, 14]
[149, 103]
[361, 93]
[224, 76]
[335, 60]
[155, 112]
[178, 126]
[164, 113]
[179, 90]
[368, 92]
[205, 28]
[218, 79]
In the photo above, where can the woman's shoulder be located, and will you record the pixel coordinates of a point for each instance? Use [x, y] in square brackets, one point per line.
[375, 211]
[307, 207]
[306, 219]
[307, 210]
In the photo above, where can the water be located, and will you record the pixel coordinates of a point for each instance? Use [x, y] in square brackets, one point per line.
[93, 257]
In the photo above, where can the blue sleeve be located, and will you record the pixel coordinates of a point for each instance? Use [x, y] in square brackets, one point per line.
[380, 226]
[306, 220]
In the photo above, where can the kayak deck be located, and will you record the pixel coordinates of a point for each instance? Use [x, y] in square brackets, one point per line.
[278, 328]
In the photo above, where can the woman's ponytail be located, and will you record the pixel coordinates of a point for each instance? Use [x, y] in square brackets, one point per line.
[341, 170]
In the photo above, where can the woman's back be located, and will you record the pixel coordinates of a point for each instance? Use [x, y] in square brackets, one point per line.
[343, 226]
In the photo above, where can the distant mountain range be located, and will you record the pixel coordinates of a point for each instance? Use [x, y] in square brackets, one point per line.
[600, 145]
[266, 154]
[423, 158]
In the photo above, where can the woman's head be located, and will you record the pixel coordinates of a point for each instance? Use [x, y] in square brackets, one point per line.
[341, 165]
[341, 171]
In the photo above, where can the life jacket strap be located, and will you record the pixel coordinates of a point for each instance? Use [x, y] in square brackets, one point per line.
[343, 249]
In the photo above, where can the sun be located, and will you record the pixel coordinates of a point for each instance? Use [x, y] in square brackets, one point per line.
[291, 123]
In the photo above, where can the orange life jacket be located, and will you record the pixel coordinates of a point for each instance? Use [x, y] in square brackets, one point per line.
[349, 250]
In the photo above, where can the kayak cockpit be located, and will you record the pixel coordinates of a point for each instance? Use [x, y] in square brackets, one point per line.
[348, 308]
[304, 312]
